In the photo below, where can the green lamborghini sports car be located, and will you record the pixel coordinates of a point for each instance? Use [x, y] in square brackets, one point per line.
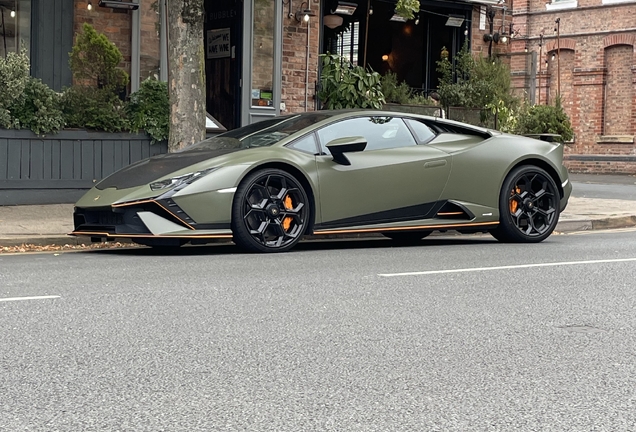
[334, 172]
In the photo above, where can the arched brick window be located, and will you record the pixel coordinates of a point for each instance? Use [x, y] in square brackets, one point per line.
[618, 90]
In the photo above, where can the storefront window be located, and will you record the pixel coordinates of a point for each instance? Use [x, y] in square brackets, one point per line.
[149, 43]
[15, 26]
[263, 54]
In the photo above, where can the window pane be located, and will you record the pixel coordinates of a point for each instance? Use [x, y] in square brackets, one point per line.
[149, 43]
[379, 132]
[348, 43]
[263, 53]
[422, 132]
[15, 26]
[306, 144]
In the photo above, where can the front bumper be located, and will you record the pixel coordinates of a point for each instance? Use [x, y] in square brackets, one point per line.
[143, 219]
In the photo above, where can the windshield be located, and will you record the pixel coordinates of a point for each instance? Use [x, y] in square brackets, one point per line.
[260, 134]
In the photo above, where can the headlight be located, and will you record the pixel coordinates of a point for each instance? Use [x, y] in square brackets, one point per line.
[181, 180]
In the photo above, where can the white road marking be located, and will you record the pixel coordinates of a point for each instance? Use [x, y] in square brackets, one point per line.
[28, 298]
[520, 266]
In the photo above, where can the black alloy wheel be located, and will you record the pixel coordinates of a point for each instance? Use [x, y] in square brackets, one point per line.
[528, 206]
[270, 212]
[406, 237]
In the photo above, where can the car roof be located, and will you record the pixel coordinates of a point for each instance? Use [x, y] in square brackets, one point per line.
[345, 113]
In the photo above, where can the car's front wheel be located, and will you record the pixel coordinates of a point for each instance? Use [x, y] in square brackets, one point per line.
[270, 212]
[528, 206]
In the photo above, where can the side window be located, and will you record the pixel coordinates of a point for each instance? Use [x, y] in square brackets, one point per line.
[305, 144]
[380, 132]
[422, 132]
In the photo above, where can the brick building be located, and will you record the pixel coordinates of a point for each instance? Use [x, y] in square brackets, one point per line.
[584, 50]
[262, 56]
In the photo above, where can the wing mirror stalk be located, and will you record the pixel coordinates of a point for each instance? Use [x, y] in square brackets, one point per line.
[340, 146]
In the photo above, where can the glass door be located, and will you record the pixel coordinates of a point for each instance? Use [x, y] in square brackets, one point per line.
[263, 51]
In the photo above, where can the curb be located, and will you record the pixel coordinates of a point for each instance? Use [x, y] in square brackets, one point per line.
[564, 226]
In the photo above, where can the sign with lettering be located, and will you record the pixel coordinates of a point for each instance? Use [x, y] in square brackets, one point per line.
[218, 43]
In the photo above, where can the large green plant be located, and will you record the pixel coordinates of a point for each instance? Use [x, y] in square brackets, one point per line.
[38, 108]
[14, 76]
[94, 61]
[149, 109]
[395, 91]
[26, 102]
[540, 119]
[343, 85]
[93, 108]
[474, 82]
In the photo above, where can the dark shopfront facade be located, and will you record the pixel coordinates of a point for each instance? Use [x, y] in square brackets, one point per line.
[261, 56]
[270, 63]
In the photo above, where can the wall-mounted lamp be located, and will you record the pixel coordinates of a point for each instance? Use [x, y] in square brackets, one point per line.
[119, 4]
[385, 57]
[345, 8]
[491, 37]
[89, 6]
[304, 15]
[12, 14]
[370, 10]
[417, 19]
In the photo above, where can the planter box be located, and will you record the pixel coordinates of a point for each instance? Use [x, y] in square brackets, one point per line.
[59, 168]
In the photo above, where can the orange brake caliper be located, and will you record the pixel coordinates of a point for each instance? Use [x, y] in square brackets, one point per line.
[289, 205]
[513, 202]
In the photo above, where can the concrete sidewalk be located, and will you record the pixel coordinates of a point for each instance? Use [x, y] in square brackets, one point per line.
[41, 225]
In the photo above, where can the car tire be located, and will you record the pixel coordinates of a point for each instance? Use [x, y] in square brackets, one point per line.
[270, 212]
[528, 206]
[406, 237]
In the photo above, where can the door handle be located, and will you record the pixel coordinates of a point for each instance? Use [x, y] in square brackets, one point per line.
[433, 164]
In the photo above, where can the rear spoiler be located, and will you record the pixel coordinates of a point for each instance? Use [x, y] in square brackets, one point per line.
[547, 137]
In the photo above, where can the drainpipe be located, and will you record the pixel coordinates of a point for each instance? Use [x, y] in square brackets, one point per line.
[134, 51]
[307, 66]
[163, 42]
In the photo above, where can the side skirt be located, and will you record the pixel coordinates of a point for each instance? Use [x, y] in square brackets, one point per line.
[459, 226]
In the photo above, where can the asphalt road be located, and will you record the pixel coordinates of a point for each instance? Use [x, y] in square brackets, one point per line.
[332, 336]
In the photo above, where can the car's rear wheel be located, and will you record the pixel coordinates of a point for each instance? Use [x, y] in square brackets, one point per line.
[270, 212]
[528, 206]
[406, 237]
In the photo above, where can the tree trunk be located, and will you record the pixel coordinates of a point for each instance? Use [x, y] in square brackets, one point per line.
[186, 73]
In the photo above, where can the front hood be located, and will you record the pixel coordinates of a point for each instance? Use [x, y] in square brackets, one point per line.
[149, 170]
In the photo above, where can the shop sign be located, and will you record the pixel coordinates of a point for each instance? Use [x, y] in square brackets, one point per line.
[218, 43]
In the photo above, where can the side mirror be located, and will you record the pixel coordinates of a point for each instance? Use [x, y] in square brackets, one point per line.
[340, 146]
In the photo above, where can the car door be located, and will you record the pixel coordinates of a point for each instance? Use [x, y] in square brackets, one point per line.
[394, 178]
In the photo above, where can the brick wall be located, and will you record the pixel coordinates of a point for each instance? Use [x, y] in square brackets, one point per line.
[597, 74]
[478, 45]
[294, 61]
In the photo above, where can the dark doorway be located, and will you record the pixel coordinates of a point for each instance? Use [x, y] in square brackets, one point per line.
[223, 38]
